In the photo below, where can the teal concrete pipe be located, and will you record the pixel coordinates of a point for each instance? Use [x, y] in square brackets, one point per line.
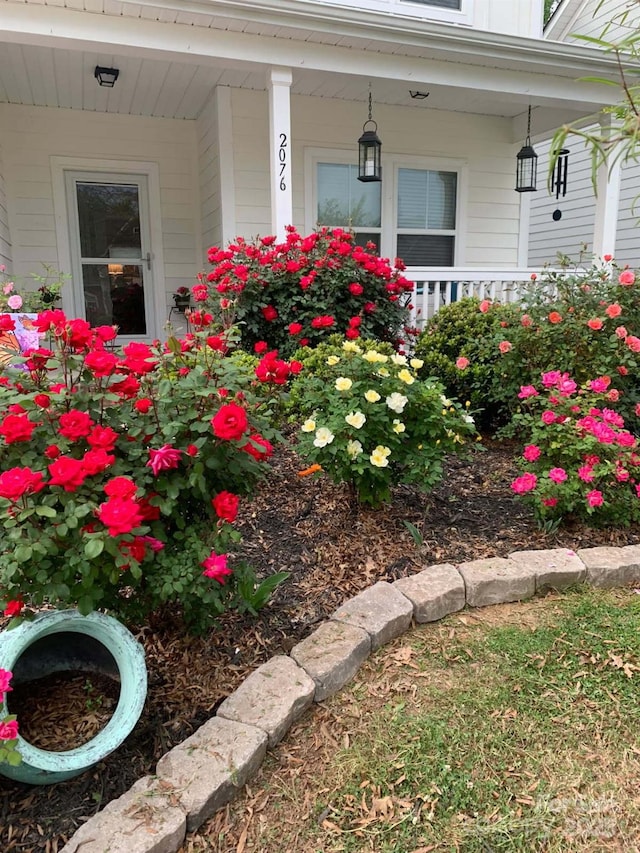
[62, 641]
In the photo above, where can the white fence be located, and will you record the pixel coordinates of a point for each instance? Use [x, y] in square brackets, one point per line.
[438, 286]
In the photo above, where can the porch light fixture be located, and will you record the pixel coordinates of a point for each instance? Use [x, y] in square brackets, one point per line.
[369, 151]
[106, 76]
[559, 180]
[527, 164]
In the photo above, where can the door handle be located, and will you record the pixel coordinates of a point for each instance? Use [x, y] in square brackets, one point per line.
[148, 260]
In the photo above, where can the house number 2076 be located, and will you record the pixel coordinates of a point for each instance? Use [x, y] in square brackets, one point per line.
[282, 158]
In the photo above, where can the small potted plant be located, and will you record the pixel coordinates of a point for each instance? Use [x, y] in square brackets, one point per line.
[182, 299]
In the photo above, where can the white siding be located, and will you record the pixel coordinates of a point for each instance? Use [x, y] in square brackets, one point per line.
[547, 237]
[516, 17]
[30, 136]
[482, 143]
[592, 18]
[5, 237]
[209, 175]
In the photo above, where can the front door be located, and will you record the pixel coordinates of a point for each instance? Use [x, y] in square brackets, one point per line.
[111, 252]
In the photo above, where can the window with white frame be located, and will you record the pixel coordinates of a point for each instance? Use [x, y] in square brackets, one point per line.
[446, 11]
[344, 201]
[426, 217]
[416, 218]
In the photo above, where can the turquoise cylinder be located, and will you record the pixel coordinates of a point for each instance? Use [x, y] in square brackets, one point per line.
[63, 641]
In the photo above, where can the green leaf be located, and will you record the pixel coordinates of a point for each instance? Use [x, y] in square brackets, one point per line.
[93, 548]
[85, 605]
[46, 511]
[23, 553]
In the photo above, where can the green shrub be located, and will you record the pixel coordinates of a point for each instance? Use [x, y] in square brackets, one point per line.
[459, 347]
[372, 423]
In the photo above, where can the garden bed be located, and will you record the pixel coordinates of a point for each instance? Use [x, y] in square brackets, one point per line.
[308, 527]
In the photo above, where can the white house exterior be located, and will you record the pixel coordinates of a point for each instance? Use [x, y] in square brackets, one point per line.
[238, 118]
[618, 193]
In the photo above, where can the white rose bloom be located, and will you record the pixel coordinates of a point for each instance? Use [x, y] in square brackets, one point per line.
[396, 402]
[355, 419]
[309, 425]
[323, 437]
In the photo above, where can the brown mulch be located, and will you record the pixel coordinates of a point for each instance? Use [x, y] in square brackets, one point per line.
[333, 550]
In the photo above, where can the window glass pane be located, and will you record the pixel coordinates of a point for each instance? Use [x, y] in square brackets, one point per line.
[114, 296]
[426, 250]
[344, 200]
[364, 237]
[441, 4]
[109, 220]
[426, 199]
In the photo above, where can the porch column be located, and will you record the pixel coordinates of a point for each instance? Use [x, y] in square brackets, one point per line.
[279, 82]
[607, 201]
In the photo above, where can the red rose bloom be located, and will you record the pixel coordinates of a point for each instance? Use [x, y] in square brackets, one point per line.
[16, 428]
[260, 347]
[67, 472]
[17, 482]
[42, 400]
[102, 438]
[14, 607]
[230, 423]
[75, 424]
[120, 487]
[295, 328]
[52, 451]
[225, 505]
[120, 515]
[258, 447]
[356, 289]
[7, 324]
[269, 313]
[139, 358]
[96, 461]
[142, 405]
[101, 362]
[79, 334]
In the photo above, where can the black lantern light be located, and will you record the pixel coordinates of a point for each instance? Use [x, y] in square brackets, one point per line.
[106, 76]
[527, 164]
[560, 170]
[369, 151]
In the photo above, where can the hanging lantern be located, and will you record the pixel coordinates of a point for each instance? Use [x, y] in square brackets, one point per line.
[559, 183]
[526, 164]
[369, 151]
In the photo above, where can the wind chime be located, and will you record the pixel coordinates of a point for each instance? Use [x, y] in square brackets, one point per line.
[559, 179]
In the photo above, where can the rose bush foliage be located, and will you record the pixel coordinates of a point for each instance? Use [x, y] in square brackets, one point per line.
[371, 423]
[107, 456]
[289, 294]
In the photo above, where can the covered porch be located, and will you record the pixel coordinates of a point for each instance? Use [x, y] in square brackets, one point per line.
[226, 122]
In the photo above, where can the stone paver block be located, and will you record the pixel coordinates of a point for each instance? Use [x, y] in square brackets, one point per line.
[495, 581]
[272, 697]
[207, 769]
[144, 820]
[609, 567]
[332, 655]
[382, 611]
[556, 568]
[434, 592]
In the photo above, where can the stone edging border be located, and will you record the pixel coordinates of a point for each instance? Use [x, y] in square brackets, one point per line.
[202, 774]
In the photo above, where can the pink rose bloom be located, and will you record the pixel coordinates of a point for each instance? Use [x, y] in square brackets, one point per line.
[594, 498]
[622, 475]
[604, 433]
[163, 459]
[527, 391]
[215, 567]
[585, 473]
[613, 418]
[626, 278]
[9, 731]
[551, 378]
[595, 324]
[625, 439]
[485, 305]
[558, 475]
[621, 332]
[15, 302]
[614, 310]
[531, 452]
[599, 385]
[504, 346]
[525, 320]
[567, 387]
[5, 680]
[548, 417]
[462, 362]
[525, 483]
[633, 343]
[8, 287]
[550, 501]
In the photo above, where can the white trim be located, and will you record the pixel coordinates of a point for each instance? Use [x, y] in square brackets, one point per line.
[420, 9]
[224, 121]
[524, 227]
[61, 165]
[280, 149]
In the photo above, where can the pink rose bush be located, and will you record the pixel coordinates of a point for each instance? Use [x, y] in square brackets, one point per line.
[123, 469]
[581, 461]
[297, 292]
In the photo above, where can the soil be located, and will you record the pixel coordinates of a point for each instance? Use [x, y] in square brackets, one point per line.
[333, 550]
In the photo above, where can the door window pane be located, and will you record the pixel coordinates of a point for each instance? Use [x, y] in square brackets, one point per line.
[109, 220]
[114, 296]
[345, 201]
[441, 4]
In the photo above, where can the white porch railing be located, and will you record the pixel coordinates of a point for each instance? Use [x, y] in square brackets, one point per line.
[438, 286]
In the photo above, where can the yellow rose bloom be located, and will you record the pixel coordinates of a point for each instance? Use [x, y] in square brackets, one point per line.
[379, 456]
[350, 346]
[398, 359]
[406, 376]
[398, 426]
[343, 383]
[354, 448]
[383, 372]
[333, 359]
[371, 355]
[416, 363]
[355, 419]
[371, 396]
[309, 425]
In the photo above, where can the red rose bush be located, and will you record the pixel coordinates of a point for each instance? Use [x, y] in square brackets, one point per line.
[121, 471]
[297, 292]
